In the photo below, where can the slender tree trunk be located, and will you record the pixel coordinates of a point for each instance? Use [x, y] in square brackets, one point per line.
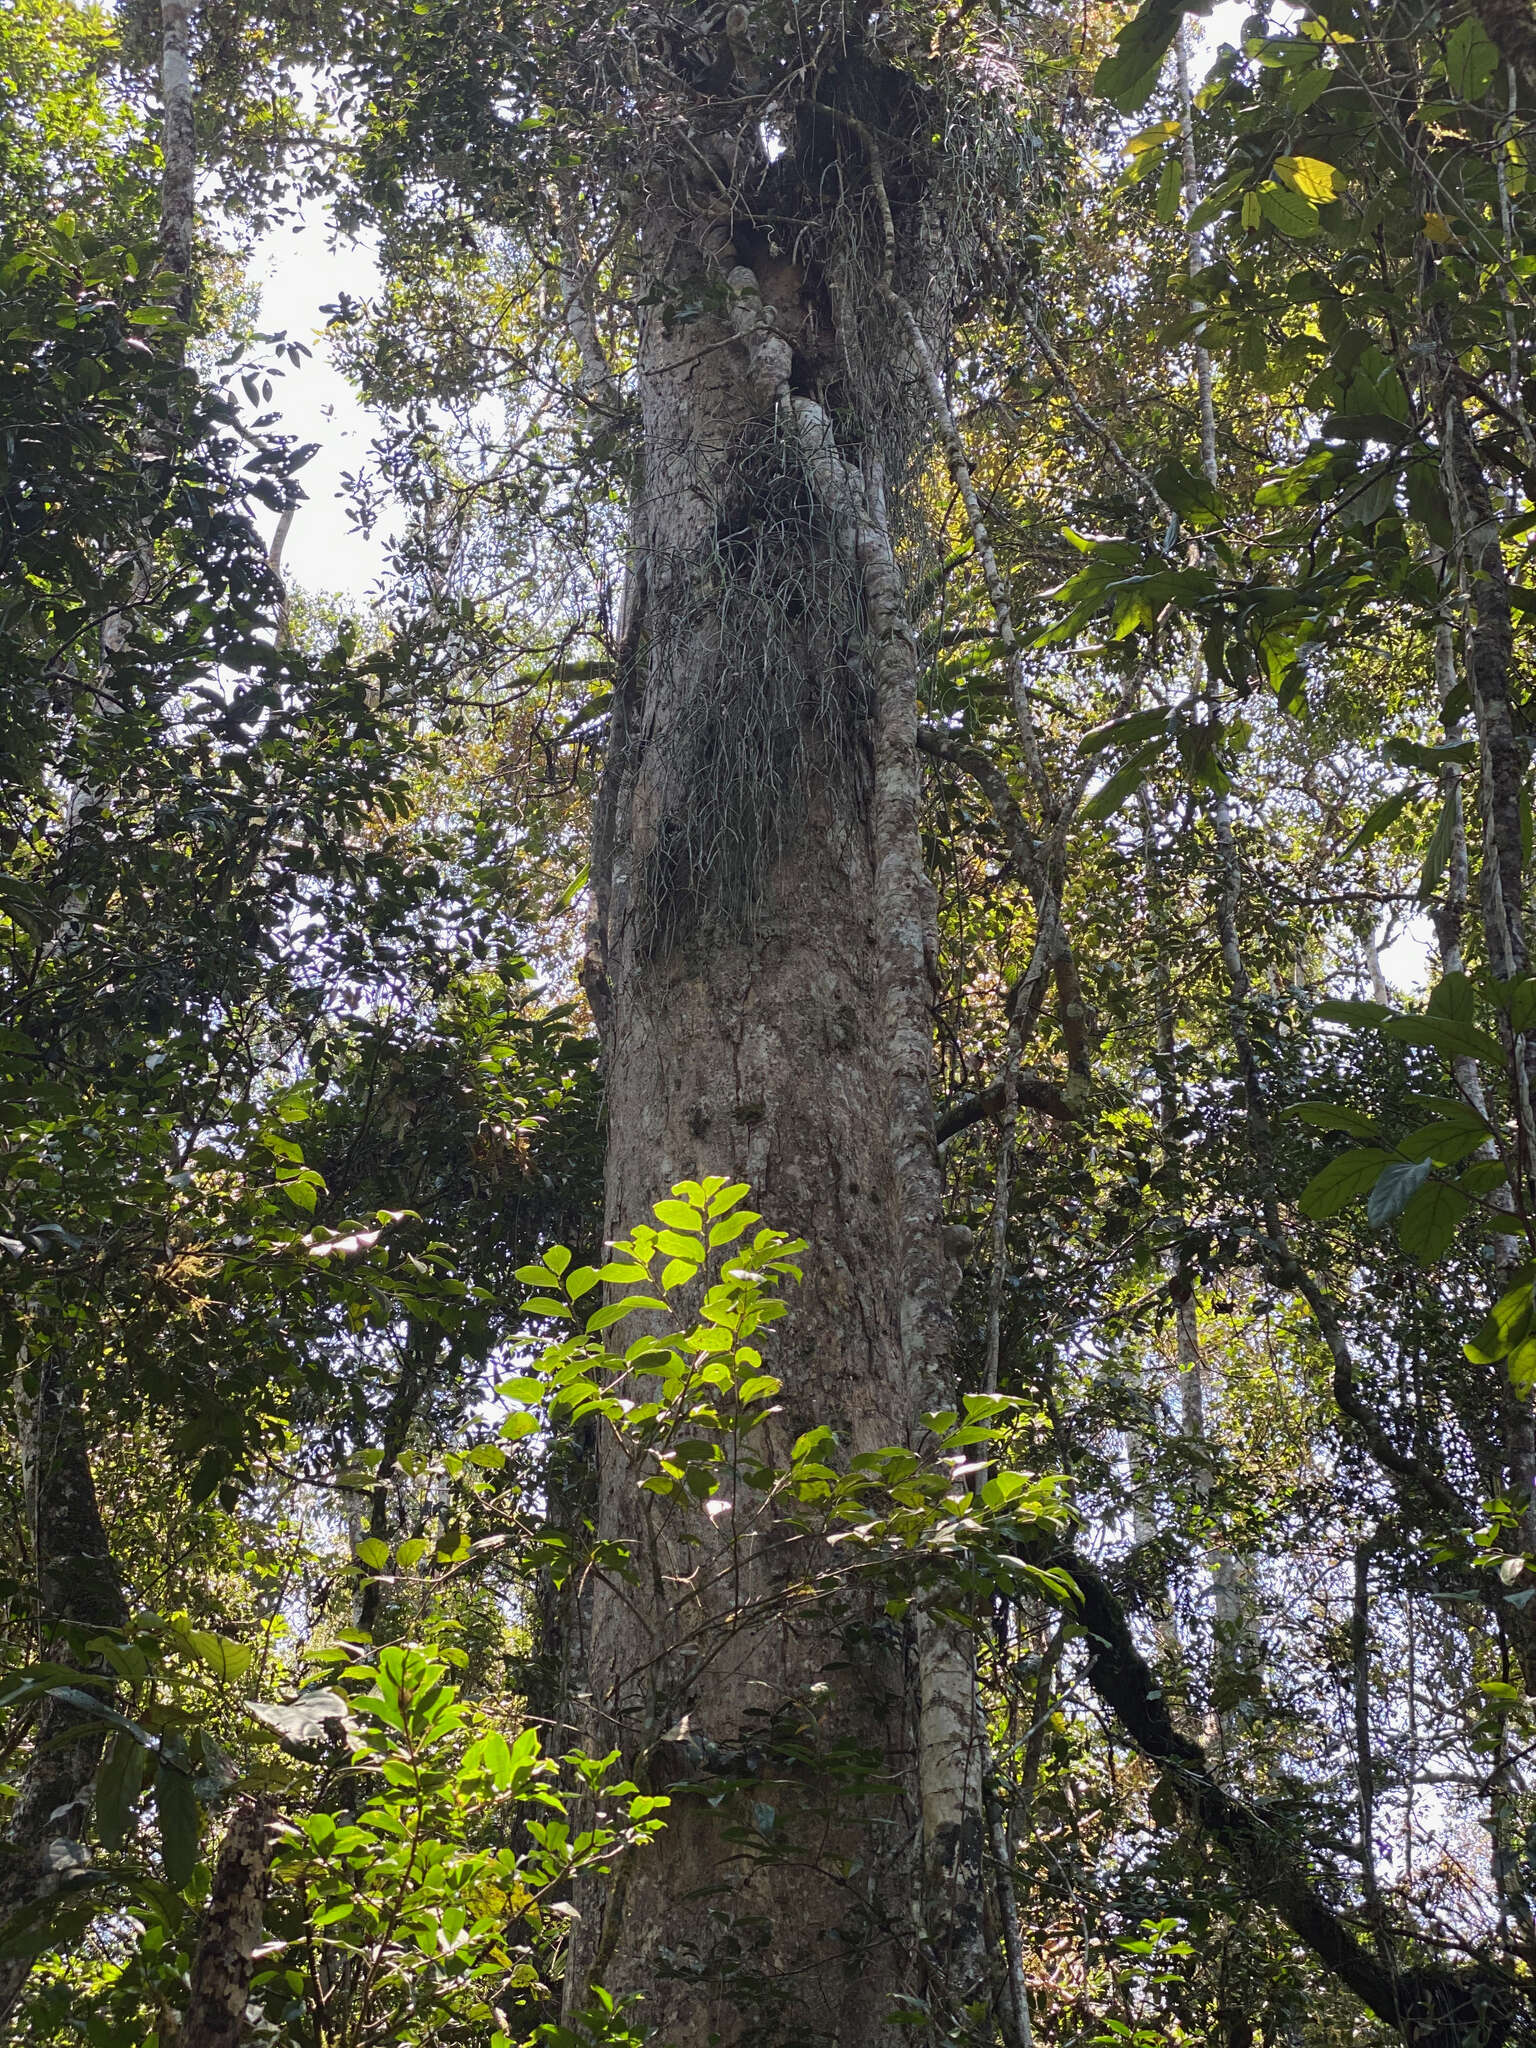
[761, 960]
[177, 146]
[220, 1980]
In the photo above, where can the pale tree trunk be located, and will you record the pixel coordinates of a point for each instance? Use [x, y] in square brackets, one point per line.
[760, 961]
[177, 146]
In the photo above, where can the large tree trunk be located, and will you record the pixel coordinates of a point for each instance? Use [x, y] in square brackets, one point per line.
[758, 966]
[79, 1592]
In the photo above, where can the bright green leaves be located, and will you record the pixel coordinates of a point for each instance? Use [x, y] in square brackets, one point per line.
[1507, 1334]
[408, 1894]
[1309, 176]
[674, 1393]
[227, 1660]
[687, 1404]
[1290, 200]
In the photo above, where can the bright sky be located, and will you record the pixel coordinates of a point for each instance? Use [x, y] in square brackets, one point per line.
[299, 272]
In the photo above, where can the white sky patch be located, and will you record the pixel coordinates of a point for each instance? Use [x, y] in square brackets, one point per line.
[1405, 963]
[299, 270]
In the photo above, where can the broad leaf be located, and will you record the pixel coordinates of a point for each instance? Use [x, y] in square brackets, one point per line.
[180, 1822]
[1429, 1221]
[1445, 1035]
[1399, 1181]
[1342, 1181]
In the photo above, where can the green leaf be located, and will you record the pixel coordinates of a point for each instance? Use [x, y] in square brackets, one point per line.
[1380, 818]
[615, 1311]
[1288, 211]
[1522, 1366]
[1506, 1324]
[117, 1786]
[218, 1654]
[411, 1552]
[1396, 1185]
[1426, 501]
[1471, 59]
[373, 1551]
[1482, 1177]
[1310, 86]
[1310, 176]
[1342, 1181]
[760, 1387]
[730, 1228]
[1445, 1035]
[176, 1806]
[1130, 731]
[1170, 187]
[679, 1216]
[1332, 1116]
[1445, 1143]
[1128, 75]
[1453, 996]
[1519, 1002]
[523, 1387]
[1429, 1221]
[1123, 783]
[1439, 851]
[1358, 1014]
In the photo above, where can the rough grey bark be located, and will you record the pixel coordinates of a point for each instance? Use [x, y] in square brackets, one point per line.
[220, 1980]
[79, 1592]
[760, 962]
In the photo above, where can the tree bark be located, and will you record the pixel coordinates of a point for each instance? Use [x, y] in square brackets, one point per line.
[79, 1592]
[760, 962]
[220, 1981]
[178, 177]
